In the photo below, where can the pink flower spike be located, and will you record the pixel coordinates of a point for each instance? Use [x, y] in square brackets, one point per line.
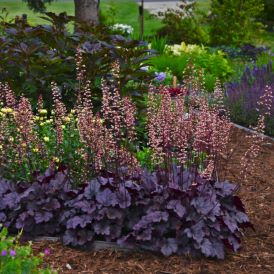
[4, 253]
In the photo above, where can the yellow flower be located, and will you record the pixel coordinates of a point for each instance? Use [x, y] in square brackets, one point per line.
[42, 124]
[11, 139]
[1, 147]
[72, 111]
[35, 149]
[46, 139]
[63, 126]
[43, 111]
[37, 118]
[7, 110]
[56, 160]
[67, 119]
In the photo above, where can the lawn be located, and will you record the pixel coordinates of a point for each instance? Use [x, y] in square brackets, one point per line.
[118, 11]
[114, 11]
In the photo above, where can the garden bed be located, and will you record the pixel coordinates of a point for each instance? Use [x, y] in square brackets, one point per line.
[256, 254]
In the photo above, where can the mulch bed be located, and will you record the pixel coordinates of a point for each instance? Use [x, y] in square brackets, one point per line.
[256, 256]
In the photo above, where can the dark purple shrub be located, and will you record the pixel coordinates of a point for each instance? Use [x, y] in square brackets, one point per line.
[242, 96]
[35, 207]
[159, 211]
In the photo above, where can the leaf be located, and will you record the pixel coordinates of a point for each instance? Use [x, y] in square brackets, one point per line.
[177, 207]
[169, 247]
[44, 216]
[230, 222]
[123, 197]
[225, 188]
[102, 229]
[3, 217]
[11, 200]
[92, 189]
[107, 198]
[145, 235]
[80, 221]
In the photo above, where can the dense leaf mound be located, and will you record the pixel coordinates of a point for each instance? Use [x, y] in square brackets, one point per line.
[159, 211]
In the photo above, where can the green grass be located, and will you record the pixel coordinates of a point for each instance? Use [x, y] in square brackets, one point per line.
[115, 11]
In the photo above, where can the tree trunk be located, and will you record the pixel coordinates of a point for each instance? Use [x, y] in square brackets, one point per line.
[87, 11]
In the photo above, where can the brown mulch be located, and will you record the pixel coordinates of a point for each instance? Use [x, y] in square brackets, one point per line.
[256, 255]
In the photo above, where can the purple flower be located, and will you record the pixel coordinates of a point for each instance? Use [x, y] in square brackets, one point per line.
[146, 68]
[160, 77]
[47, 252]
[4, 253]
[12, 253]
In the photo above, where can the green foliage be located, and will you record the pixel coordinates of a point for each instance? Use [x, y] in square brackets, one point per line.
[144, 157]
[159, 44]
[232, 22]
[182, 25]
[214, 65]
[37, 5]
[16, 259]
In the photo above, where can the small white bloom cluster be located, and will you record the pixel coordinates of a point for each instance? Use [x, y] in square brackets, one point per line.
[125, 29]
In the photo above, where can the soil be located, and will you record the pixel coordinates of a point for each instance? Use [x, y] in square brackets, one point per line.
[256, 255]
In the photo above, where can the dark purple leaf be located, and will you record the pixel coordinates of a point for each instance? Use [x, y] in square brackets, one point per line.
[177, 207]
[44, 216]
[123, 197]
[169, 247]
[80, 221]
[107, 198]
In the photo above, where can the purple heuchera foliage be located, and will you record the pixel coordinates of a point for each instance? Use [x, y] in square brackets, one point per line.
[148, 211]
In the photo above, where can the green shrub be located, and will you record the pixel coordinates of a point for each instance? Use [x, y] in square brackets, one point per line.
[182, 25]
[16, 259]
[232, 22]
[214, 65]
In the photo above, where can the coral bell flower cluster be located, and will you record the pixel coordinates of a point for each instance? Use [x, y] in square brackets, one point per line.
[192, 136]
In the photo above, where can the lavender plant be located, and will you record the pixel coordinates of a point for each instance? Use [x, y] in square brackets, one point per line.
[242, 96]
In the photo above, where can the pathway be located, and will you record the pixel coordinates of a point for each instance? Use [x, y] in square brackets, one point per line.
[155, 6]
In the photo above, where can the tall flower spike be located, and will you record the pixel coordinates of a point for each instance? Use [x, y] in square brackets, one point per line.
[9, 96]
[80, 66]
[60, 112]
[248, 160]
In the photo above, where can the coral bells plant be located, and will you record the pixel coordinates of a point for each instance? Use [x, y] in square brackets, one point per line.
[78, 174]
[186, 131]
[264, 106]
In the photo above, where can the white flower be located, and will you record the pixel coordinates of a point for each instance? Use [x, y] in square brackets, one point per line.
[125, 29]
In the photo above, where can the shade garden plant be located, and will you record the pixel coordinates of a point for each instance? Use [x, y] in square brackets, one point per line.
[84, 175]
